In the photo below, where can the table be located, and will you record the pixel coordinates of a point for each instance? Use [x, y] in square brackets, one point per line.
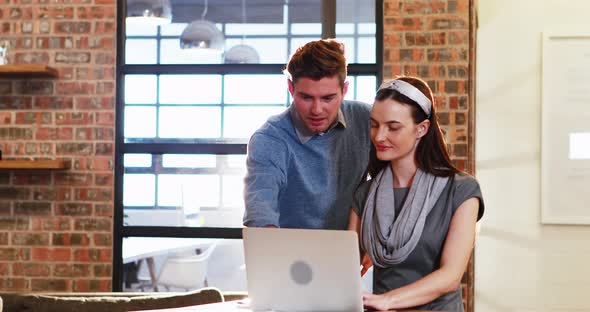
[139, 248]
[229, 306]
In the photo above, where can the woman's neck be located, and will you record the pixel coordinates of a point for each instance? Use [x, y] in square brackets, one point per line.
[403, 172]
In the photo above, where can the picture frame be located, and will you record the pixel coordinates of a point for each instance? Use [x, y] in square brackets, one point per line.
[565, 130]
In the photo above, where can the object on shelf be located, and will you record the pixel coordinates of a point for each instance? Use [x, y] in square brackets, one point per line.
[4, 52]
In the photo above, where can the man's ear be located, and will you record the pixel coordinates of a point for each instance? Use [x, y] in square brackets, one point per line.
[291, 87]
[345, 88]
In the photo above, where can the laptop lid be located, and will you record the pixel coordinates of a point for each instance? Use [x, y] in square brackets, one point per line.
[302, 270]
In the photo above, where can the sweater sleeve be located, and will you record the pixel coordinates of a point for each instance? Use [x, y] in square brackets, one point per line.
[265, 178]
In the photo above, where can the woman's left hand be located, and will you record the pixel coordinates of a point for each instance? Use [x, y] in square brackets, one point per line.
[366, 264]
[377, 302]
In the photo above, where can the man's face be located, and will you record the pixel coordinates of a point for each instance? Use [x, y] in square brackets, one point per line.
[317, 101]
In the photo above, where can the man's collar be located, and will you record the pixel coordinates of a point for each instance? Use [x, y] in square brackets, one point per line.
[303, 133]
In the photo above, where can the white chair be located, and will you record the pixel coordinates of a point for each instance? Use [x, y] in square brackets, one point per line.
[185, 272]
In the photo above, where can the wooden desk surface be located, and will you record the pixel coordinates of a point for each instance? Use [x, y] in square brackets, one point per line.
[229, 306]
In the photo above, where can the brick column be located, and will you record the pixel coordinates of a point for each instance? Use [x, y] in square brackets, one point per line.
[434, 40]
[56, 226]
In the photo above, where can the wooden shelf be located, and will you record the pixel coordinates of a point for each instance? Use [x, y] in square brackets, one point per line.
[33, 164]
[27, 70]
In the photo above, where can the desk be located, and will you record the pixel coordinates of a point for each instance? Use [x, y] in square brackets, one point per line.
[230, 306]
[139, 248]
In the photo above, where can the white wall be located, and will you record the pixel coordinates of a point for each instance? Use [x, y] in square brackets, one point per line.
[521, 265]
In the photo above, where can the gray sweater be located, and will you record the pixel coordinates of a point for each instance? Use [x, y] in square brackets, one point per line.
[306, 185]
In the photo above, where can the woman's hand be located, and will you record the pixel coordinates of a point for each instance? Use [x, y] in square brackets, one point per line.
[381, 302]
[366, 263]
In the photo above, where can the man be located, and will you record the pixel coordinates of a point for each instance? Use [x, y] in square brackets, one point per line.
[305, 163]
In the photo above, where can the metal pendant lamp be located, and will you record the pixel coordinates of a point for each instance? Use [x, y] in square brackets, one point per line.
[202, 35]
[242, 53]
[149, 12]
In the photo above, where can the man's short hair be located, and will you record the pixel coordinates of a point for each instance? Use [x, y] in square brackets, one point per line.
[316, 60]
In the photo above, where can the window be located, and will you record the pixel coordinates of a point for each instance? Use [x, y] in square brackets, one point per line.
[185, 117]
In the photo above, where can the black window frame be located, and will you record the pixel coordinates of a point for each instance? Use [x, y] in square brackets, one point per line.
[207, 147]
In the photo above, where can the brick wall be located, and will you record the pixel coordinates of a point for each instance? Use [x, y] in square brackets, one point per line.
[434, 39]
[56, 226]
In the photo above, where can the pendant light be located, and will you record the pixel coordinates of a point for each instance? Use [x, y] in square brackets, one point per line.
[149, 12]
[242, 53]
[202, 35]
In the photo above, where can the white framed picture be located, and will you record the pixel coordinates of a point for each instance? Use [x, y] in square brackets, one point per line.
[565, 123]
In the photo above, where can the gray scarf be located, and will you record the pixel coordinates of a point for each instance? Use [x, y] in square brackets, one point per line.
[388, 242]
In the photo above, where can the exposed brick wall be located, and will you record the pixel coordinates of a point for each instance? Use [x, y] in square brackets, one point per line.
[56, 226]
[434, 39]
[430, 39]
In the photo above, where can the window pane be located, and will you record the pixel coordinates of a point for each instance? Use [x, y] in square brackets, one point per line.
[190, 122]
[137, 160]
[190, 89]
[270, 50]
[138, 189]
[171, 53]
[206, 190]
[349, 49]
[255, 29]
[255, 89]
[366, 87]
[218, 261]
[366, 54]
[140, 89]
[233, 190]
[189, 161]
[133, 29]
[141, 51]
[356, 11]
[306, 29]
[236, 161]
[173, 29]
[140, 122]
[344, 29]
[241, 122]
[196, 191]
[367, 28]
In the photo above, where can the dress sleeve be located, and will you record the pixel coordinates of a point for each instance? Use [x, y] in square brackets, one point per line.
[467, 187]
[266, 176]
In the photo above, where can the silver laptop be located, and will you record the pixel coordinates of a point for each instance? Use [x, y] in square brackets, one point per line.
[302, 270]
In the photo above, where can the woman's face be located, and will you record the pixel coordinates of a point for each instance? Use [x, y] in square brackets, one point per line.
[393, 131]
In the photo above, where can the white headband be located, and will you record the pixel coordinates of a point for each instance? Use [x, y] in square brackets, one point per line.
[409, 91]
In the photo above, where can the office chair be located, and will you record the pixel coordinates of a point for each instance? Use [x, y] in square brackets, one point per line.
[186, 272]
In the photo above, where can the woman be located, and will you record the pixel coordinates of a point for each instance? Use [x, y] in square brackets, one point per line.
[416, 216]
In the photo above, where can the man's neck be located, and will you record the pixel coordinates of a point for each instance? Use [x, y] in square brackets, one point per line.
[305, 134]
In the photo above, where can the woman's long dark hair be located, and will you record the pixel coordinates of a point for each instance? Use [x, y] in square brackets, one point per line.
[431, 153]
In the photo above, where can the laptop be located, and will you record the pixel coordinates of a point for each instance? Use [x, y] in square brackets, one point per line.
[302, 270]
